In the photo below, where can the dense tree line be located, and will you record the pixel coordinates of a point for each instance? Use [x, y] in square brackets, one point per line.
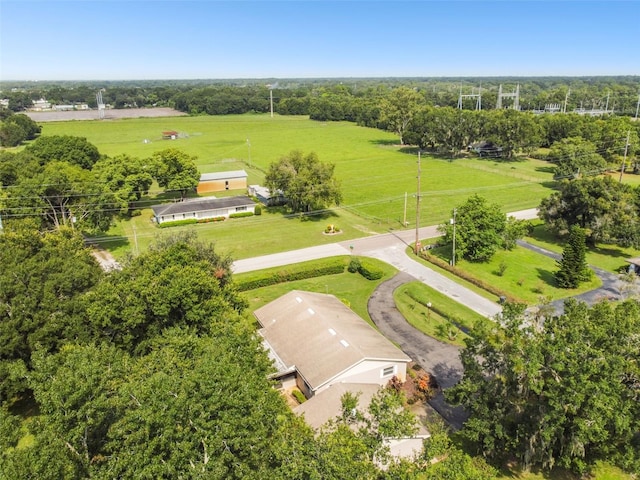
[291, 95]
[63, 180]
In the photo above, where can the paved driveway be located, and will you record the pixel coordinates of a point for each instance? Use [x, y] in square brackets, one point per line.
[440, 359]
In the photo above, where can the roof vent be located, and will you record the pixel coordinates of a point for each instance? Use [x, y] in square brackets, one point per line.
[344, 343]
[310, 310]
[332, 331]
[298, 299]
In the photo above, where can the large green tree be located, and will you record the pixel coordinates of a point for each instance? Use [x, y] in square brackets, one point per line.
[479, 229]
[398, 108]
[175, 170]
[306, 183]
[65, 148]
[128, 178]
[514, 131]
[63, 194]
[178, 282]
[574, 156]
[41, 279]
[573, 268]
[607, 210]
[562, 393]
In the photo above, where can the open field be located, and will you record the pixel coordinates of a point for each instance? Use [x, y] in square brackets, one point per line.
[374, 170]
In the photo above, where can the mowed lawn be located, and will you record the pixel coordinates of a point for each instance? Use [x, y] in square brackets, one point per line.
[374, 170]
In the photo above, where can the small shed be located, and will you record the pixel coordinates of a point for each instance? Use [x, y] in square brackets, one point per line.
[221, 181]
[169, 135]
[202, 208]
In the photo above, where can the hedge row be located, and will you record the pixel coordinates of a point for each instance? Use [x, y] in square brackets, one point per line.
[364, 268]
[290, 273]
[241, 214]
[175, 223]
[369, 271]
[466, 276]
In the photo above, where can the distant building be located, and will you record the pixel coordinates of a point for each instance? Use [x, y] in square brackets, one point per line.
[202, 208]
[40, 105]
[264, 195]
[221, 181]
[169, 135]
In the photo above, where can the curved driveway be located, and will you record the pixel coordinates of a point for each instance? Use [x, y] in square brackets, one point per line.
[440, 359]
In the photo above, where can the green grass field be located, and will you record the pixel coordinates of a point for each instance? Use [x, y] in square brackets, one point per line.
[352, 288]
[374, 170]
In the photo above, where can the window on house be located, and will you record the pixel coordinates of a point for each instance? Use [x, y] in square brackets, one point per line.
[240, 209]
[388, 371]
[226, 184]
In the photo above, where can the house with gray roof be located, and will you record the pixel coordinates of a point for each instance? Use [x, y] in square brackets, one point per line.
[316, 341]
[202, 208]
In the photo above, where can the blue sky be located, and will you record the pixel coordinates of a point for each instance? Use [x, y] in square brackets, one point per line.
[151, 39]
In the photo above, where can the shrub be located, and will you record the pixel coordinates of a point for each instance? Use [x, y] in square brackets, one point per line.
[466, 276]
[368, 271]
[354, 265]
[241, 214]
[298, 395]
[176, 223]
[258, 210]
[502, 268]
[321, 268]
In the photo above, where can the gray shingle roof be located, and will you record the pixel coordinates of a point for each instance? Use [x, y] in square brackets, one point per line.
[321, 336]
[201, 204]
[223, 175]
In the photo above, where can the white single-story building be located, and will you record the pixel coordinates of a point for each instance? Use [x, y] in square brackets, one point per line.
[221, 181]
[327, 405]
[264, 195]
[316, 341]
[202, 208]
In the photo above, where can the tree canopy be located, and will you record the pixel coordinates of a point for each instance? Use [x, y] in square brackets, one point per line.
[175, 170]
[564, 392]
[607, 210]
[480, 227]
[65, 148]
[306, 183]
[575, 156]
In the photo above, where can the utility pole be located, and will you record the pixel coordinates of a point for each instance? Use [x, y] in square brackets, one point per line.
[249, 147]
[135, 238]
[417, 248]
[271, 100]
[404, 219]
[624, 160]
[453, 249]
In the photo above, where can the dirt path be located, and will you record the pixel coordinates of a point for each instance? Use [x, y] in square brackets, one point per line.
[111, 114]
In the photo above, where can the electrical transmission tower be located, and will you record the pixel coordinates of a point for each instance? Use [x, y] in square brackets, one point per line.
[101, 105]
[477, 96]
[515, 95]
